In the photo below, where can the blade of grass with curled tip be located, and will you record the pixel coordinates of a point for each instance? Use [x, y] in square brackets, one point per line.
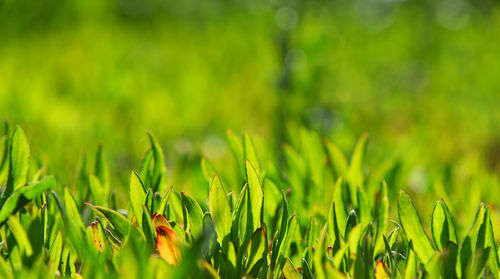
[410, 221]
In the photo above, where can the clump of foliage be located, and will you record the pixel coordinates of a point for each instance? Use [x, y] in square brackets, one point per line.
[317, 218]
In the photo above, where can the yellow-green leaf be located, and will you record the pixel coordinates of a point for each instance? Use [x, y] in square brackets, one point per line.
[410, 221]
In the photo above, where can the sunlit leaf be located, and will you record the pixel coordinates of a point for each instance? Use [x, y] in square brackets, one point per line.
[410, 221]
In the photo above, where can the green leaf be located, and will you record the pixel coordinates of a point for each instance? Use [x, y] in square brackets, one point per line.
[442, 226]
[207, 169]
[5, 269]
[25, 194]
[381, 216]
[145, 170]
[72, 211]
[410, 221]
[255, 250]
[337, 158]
[333, 228]
[137, 193]
[465, 257]
[19, 161]
[54, 255]
[20, 235]
[315, 159]
[284, 248]
[251, 153]
[101, 168]
[340, 206]
[237, 147]
[4, 158]
[160, 170]
[220, 211]
[355, 174]
[289, 270]
[450, 256]
[194, 214]
[256, 194]
[480, 260]
[97, 190]
[412, 264]
[121, 225]
[164, 201]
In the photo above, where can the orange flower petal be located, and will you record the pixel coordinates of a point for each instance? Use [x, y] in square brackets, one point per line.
[166, 243]
[381, 271]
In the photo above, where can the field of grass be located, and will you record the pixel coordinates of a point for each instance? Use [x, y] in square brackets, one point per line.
[257, 139]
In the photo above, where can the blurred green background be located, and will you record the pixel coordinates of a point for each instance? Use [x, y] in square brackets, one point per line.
[421, 77]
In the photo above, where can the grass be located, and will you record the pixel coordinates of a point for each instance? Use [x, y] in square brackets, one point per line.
[321, 216]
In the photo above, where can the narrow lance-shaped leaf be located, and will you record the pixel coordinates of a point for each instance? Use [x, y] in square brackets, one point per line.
[355, 173]
[25, 194]
[337, 158]
[20, 235]
[220, 210]
[101, 168]
[251, 153]
[340, 206]
[256, 249]
[159, 170]
[410, 221]
[137, 193]
[237, 147]
[97, 189]
[382, 215]
[121, 225]
[207, 169]
[194, 214]
[71, 209]
[256, 194]
[289, 270]
[284, 249]
[55, 255]
[442, 227]
[19, 161]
